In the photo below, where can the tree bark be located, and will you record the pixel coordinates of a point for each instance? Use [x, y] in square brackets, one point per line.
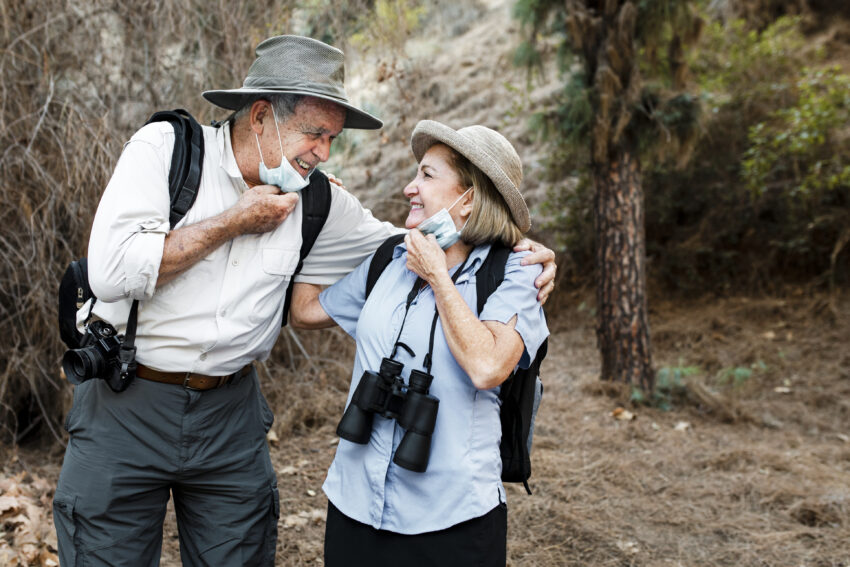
[623, 327]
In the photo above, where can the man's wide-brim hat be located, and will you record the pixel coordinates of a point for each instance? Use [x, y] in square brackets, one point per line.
[488, 150]
[296, 65]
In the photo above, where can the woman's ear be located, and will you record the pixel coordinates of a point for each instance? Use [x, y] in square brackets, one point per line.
[466, 206]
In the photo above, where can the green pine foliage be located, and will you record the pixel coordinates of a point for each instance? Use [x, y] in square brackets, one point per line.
[746, 168]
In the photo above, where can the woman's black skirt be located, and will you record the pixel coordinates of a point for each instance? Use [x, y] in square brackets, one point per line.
[479, 542]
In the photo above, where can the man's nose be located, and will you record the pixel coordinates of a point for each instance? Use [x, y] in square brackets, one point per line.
[323, 150]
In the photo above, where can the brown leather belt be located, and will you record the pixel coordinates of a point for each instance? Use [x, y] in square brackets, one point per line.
[190, 380]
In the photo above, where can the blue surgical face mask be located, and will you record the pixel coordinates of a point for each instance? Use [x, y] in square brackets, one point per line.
[284, 176]
[442, 226]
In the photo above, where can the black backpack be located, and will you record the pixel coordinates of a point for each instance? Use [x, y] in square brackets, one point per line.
[521, 392]
[184, 179]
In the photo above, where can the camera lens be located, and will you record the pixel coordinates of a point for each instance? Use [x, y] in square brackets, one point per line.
[83, 363]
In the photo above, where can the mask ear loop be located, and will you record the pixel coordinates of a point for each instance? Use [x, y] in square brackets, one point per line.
[455, 203]
[259, 149]
[279, 142]
[459, 198]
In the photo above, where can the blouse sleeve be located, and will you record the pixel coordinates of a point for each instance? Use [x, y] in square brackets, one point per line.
[344, 300]
[516, 295]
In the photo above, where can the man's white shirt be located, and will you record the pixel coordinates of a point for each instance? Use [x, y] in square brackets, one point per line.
[224, 311]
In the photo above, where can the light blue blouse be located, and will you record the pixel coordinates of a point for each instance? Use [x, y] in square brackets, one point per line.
[463, 479]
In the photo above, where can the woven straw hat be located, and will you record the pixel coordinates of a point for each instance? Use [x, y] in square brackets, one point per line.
[296, 65]
[491, 152]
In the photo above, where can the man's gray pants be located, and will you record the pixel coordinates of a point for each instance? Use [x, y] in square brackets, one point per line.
[128, 451]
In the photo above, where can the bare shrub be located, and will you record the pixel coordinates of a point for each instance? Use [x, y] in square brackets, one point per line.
[76, 79]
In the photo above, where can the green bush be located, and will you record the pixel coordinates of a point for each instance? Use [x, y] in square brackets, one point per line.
[772, 124]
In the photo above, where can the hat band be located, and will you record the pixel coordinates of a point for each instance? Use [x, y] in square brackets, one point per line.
[274, 83]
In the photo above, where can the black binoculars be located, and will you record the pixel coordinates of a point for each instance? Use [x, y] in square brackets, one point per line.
[384, 393]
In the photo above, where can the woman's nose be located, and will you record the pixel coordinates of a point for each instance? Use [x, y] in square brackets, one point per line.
[411, 189]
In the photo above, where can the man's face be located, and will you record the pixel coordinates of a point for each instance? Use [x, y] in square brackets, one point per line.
[308, 134]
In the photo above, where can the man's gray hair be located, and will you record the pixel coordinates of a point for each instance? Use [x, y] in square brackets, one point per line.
[284, 106]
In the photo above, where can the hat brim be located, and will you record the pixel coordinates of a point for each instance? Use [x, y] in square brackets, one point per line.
[234, 99]
[429, 132]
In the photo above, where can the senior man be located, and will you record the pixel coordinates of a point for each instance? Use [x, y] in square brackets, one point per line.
[211, 290]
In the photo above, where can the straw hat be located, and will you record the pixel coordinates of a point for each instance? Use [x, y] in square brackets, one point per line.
[491, 152]
[296, 65]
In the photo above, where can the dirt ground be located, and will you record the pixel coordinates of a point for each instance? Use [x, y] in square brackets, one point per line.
[746, 472]
[749, 466]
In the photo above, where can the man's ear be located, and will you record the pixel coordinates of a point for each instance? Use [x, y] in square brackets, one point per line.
[259, 114]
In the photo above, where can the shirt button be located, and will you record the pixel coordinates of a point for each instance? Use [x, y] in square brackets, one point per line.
[223, 313]
[203, 356]
[235, 262]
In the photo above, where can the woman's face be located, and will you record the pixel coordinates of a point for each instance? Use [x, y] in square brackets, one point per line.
[435, 186]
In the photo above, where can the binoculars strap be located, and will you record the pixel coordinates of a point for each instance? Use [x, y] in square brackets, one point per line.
[430, 355]
[414, 291]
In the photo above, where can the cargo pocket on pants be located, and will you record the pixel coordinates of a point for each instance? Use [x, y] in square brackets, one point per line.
[66, 529]
[271, 530]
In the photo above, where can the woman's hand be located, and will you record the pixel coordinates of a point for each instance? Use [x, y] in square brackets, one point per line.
[545, 282]
[425, 258]
[335, 180]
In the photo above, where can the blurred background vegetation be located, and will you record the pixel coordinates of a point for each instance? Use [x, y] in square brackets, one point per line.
[759, 200]
[754, 199]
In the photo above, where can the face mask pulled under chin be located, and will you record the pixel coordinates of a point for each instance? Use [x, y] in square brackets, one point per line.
[442, 226]
[284, 176]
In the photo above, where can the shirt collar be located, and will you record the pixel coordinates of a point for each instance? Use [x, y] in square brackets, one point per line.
[473, 262]
[225, 147]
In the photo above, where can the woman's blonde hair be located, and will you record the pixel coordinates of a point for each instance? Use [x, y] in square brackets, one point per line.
[490, 221]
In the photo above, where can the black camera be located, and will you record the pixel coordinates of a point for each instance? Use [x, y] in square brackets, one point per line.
[102, 356]
[384, 393]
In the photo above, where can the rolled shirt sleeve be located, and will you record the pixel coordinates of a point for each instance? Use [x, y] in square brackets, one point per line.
[350, 235]
[516, 295]
[128, 233]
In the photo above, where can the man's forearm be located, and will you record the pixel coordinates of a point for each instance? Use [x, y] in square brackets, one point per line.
[187, 245]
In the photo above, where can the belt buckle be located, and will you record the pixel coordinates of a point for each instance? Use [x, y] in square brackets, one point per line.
[186, 383]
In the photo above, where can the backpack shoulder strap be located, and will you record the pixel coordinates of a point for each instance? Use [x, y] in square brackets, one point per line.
[491, 273]
[316, 206]
[383, 256]
[184, 175]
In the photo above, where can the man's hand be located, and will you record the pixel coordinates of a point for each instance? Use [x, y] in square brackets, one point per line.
[262, 209]
[259, 209]
[545, 282]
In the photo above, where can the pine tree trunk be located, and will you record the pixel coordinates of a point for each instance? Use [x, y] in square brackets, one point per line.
[623, 328]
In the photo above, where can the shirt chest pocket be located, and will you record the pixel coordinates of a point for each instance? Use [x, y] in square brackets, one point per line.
[280, 261]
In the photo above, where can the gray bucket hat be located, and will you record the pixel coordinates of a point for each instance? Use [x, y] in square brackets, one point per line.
[488, 150]
[296, 65]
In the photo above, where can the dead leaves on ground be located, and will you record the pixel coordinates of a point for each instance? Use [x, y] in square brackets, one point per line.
[27, 535]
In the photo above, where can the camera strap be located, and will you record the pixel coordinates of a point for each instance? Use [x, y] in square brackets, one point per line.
[127, 352]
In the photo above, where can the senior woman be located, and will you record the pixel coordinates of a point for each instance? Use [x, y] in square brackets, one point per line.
[466, 197]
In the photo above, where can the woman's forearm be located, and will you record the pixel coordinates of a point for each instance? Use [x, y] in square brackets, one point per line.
[487, 351]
